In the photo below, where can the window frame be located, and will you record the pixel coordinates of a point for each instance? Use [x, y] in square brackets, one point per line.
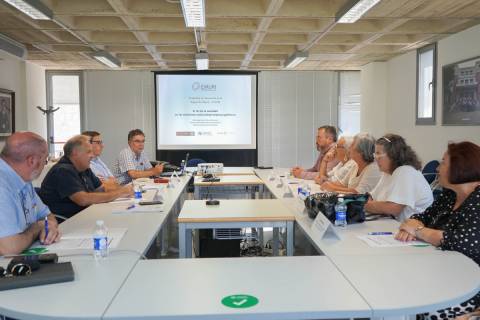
[431, 120]
[50, 120]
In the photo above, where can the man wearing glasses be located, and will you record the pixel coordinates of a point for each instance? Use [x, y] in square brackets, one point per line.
[23, 214]
[132, 163]
[70, 186]
[98, 167]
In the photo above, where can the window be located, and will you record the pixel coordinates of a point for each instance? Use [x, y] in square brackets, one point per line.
[64, 100]
[349, 103]
[426, 84]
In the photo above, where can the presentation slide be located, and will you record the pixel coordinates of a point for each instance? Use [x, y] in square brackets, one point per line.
[206, 111]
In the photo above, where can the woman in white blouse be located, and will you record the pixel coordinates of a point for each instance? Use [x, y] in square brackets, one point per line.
[402, 189]
[367, 175]
[345, 168]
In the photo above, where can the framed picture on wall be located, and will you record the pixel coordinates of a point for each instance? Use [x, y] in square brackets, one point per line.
[461, 93]
[7, 112]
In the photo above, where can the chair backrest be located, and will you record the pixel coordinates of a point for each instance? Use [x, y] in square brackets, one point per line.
[430, 171]
[194, 162]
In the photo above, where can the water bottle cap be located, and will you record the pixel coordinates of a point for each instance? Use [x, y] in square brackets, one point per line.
[100, 223]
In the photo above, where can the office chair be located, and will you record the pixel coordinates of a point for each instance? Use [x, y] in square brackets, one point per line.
[430, 174]
[194, 162]
[429, 171]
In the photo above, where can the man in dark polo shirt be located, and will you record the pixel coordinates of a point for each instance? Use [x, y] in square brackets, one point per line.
[70, 186]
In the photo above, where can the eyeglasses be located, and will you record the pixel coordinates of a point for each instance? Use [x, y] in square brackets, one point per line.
[378, 155]
[139, 141]
[96, 141]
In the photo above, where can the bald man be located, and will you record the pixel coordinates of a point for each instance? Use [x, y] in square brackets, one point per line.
[22, 213]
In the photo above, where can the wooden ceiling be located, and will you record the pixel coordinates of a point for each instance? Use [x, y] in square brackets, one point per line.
[239, 34]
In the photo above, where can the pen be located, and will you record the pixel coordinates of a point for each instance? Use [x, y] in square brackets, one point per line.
[46, 228]
[380, 233]
[131, 207]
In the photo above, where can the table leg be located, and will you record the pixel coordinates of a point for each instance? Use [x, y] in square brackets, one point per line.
[275, 241]
[290, 237]
[196, 192]
[260, 237]
[182, 235]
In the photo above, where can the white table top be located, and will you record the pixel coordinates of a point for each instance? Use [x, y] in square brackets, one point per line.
[399, 284]
[87, 297]
[142, 226]
[230, 180]
[235, 210]
[287, 288]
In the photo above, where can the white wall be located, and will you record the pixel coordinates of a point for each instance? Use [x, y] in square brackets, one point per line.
[291, 106]
[373, 88]
[400, 80]
[12, 77]
[115, 103]
[28, 82]
[36, 96]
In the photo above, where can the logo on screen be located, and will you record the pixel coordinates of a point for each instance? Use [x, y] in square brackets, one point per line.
[203, 87]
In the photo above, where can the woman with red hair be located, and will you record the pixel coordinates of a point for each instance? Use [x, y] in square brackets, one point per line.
[452, 222]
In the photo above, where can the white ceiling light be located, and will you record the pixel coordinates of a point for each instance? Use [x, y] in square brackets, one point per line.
[194, 13]
[354, 10]
[32, 8]
[107, 59]
[12, 47]
[295, 59]
[201, 59]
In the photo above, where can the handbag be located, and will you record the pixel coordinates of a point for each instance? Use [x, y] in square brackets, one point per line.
[325, 202]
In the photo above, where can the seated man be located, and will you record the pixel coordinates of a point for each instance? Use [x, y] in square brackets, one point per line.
[98, 167]
[326, 139]
[70, 186]
[22, 214]
[132, 163]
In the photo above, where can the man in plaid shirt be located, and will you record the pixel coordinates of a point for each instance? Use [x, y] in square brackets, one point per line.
[132, 163]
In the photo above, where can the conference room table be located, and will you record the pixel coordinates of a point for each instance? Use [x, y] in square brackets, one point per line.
[197, 214]
[352, 279]
[228, 186]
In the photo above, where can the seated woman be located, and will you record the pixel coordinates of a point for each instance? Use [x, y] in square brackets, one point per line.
[402, 189]
[367, 175]
[345, 168]
[452, 222]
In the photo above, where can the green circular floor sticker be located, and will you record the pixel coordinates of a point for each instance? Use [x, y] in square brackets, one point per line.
[239, 301]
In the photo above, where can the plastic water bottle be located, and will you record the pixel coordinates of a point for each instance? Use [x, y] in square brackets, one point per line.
[341, 214]
[137, 192]
[100, 241]
[183, 166]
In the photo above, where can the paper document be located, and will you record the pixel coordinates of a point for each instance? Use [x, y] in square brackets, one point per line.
[83, 239]
[136, 208]
[388, 241]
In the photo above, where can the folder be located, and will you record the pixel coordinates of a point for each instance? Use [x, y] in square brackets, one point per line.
[46, 274]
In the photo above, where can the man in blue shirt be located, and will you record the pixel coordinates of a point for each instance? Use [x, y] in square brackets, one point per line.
[22, 213]
[132, 163]
[98, 167]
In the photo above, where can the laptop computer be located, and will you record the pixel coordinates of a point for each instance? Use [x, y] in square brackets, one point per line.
[179, 173]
